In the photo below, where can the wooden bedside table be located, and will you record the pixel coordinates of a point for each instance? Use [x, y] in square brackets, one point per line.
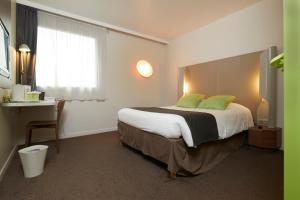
[265, 137]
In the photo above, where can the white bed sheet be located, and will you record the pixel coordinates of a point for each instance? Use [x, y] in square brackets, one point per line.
[235, 119]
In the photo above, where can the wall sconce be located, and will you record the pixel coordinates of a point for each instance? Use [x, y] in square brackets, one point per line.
[23, 48]
[144, 68]
[186, 88]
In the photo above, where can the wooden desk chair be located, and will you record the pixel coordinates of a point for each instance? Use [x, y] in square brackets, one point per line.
[46, 124]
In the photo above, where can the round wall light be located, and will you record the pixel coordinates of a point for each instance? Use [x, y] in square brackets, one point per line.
[144, 68]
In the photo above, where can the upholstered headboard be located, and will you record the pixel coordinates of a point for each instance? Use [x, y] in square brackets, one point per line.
[238, 76]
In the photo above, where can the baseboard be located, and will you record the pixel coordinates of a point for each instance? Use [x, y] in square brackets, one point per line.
[42, 138]
[7, 162]
[84, 133]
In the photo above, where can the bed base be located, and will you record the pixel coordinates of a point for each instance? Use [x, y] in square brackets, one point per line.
[180, 159]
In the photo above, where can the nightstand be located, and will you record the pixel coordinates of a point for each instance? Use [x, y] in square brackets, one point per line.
[265, 137]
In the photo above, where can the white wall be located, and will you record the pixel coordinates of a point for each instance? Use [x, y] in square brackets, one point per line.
[249, 30]
[7, 137]
[252, 29]
[124, 87]
[7, 140]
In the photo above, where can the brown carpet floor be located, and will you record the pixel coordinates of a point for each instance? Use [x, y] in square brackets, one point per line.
[98, 167]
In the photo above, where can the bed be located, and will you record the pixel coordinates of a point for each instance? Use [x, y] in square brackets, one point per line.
[166, 137]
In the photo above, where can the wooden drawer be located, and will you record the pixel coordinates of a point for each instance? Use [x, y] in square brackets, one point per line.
[265, 137]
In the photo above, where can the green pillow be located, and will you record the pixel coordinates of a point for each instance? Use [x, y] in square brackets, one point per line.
[190, 100]
[219, 102]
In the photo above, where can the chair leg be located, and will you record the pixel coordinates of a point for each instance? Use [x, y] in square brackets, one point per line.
[28, 136]
[56, 139]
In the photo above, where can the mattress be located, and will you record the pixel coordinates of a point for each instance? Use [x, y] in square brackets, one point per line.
[234, 119]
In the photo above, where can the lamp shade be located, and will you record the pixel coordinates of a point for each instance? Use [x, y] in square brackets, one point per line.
[144, 68]
[24, 48]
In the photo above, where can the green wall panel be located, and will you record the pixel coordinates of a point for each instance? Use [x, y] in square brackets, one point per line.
[292, 99]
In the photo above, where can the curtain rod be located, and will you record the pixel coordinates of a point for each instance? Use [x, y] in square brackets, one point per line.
[91, 21]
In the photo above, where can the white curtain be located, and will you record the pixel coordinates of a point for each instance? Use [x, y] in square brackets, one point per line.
[70, 58]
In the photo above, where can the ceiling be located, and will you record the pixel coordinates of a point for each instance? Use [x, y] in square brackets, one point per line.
[165, 19]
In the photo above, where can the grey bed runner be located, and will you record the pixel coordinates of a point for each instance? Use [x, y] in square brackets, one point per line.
[203, 126]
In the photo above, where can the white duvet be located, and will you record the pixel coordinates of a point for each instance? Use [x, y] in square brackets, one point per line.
[235, 119]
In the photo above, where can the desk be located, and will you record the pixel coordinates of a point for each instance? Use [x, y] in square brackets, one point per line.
[16, 107]
[29, 104]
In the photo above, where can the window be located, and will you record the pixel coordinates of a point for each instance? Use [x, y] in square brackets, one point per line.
[70, 58]
[4, 51]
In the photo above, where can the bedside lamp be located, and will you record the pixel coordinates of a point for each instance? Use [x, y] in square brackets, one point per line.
[23, 48]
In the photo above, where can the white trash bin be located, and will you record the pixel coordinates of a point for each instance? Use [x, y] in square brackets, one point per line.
[33, 160]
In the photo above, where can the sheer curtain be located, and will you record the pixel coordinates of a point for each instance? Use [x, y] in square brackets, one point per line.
[70, 58]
